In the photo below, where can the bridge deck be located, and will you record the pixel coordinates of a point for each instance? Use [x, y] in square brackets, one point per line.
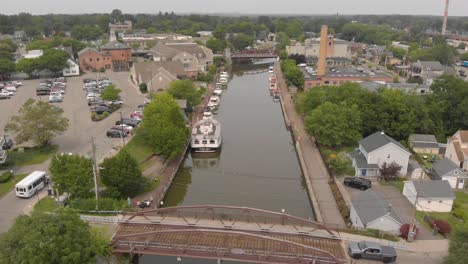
[152, 238]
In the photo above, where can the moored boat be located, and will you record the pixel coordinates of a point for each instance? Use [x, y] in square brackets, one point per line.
[206, 136]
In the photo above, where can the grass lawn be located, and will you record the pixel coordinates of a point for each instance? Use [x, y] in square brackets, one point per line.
[138, 148]
[8, 186]
[396, 183]
[462, 200]
[31, 156]
[429, 160]
[46, 204]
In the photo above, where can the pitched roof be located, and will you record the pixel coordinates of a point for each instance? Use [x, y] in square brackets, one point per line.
[370, 206]
[463, 135]
[86, 50]
[149, 69]
[423, 138]
[377, 140]
[115, 45]
[361, 162]
[163, 50]
[431, 65]
[434, 189]
[191, 48]
[443, 167]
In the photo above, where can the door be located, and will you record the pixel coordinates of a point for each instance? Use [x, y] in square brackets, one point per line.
[460, 183]
[363, 172]
[372, 253]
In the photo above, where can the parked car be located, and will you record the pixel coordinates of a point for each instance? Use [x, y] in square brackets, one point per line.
[115, 133]
[8, 143]
[55, 99]
[136, 115]
[128, 122]
[5, 95]
[17, 83]
[358, 183]
[8, 92]
[10, 88]
[371, 250]
[123, 128]
[115, 102]
[96, 101]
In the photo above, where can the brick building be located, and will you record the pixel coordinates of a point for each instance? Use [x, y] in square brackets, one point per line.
[114, 55]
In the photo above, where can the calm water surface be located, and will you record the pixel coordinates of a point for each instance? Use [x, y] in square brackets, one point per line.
[257, 166]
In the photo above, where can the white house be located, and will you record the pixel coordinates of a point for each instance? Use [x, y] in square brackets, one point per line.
[73, 69]
[32, 54]
[370, 210]
[432, 196]
[446, 170]
[374, 151]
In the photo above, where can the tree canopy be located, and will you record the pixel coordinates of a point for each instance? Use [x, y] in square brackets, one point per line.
[241, 41]
[59, 237]
[334, 124]
[122, 176]
[164, 126]
[185, 89]
[292, 73]
[37, 121]
[217, 45]
[110, 93]
[72, 174]
[6, 66]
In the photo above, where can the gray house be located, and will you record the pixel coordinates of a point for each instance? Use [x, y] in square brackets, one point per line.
[446, 170]
[374, 151]
[424, 143]
[370, 210]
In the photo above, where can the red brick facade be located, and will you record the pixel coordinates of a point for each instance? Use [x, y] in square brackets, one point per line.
[115, 59]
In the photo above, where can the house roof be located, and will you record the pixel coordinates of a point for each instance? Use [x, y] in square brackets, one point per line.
[425, 145]
[422, 138]
[361, 161]
[370, 206]
[115, 45]
[431, 65]
[371, 86]
[444, 167]
[377, 140]
[463, 135]
[147, 70]
[191, 48]
[434, 189]
[86, 50]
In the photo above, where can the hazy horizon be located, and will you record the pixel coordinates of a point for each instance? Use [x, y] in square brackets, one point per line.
[241, 7]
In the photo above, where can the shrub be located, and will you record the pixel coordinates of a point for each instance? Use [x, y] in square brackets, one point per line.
[5, 177]
[443, 226]
[102, 69]
[404, 230]
[344, 210]
[143, 88]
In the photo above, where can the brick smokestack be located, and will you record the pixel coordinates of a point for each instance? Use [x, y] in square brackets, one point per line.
[444, 25]
[322, 60]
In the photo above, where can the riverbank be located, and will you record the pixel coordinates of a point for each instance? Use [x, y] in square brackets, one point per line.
[314, 170]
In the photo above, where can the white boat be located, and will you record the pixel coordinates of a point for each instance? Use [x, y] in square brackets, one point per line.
[207, 115]
[223, 80]
[214, 102]
[224, 75]
[206, 136]
[276, 98]
[270, 69]
[218, 91]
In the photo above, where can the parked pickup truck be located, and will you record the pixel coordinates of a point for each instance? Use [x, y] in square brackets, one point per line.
[371, 250]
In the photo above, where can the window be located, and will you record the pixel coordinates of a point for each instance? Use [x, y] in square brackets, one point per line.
[440, 201]
[429, 202]
[97, 59]
[90, 59]
[388, 156]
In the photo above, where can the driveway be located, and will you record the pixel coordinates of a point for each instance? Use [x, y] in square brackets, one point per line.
[77, 139]
[400, 204]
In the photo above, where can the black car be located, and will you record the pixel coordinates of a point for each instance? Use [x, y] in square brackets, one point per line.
[128, 122]
[358, 183]
[115, 133]
[8, 143]
[99, 109]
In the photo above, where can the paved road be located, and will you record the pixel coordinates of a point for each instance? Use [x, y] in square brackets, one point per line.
[77, 139]
[314, 164]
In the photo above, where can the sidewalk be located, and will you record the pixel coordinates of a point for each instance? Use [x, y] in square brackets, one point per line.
[316, 171]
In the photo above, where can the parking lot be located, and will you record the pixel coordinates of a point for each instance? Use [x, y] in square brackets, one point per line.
[77, 139]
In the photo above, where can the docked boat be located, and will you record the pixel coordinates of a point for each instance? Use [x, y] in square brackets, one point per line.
[207, 115]
[224, 75]
[218, 91]
[206, 136]
[214, 102]
[270, 70]
[276, 97]
[223, 80]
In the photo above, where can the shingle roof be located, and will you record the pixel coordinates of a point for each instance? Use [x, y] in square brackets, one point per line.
[432, 65]
[147, 70]
[191, 48]
[422, 138]
[463, 135]
[86, 50]
[434, 189]
[115, 45]
[425, 145]
[377, 140]
[444, 167]
[370, 206]
[163, 50]
[361, 162]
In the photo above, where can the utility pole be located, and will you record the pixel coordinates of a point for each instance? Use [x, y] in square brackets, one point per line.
[122, 126]
[95, 172]
[413, 220]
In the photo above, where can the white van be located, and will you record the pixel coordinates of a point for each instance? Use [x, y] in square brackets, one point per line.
[31, 185]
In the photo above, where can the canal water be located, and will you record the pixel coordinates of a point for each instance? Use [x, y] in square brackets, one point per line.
[257, 165]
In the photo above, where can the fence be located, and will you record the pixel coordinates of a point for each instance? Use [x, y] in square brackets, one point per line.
[100, 219]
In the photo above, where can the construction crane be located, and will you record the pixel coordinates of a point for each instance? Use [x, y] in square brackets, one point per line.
[444, 25]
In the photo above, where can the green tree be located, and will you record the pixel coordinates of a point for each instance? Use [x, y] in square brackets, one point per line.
[164, 126]
[28, 66]
[37, 121]
[72, 174]
[340, 164]
[54, 60]
[464, 57]
[220, 32]
[458, 242]
[216, 45]
[283, 40]
[110, 93]
[59, 237]
[6, 66]
[241, 41]
[143, 87]
[334, 125]
[185, 89]
[151, 30]
[122, 176]
[292, 73]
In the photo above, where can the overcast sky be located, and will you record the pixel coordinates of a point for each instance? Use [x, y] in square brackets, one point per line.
[418, 7]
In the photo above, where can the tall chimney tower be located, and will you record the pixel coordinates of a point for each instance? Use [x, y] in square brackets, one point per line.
[444, 25]
[322, 59]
